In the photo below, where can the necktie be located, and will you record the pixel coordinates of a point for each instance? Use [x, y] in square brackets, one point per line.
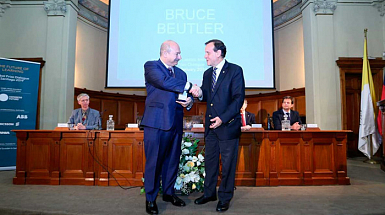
[243, 119]
[84, 117]
[288, 116]
[214, 79]
[171, 72]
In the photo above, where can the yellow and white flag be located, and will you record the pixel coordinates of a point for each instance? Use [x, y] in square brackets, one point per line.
[367, 116]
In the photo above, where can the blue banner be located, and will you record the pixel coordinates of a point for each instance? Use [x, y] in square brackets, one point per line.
[19, 86]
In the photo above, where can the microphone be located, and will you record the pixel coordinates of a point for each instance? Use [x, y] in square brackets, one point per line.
[101, 119]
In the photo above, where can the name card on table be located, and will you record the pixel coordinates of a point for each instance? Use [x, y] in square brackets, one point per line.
[312, 127]
[62, 127]
[256, 125]
[132, 127]
[198, 128]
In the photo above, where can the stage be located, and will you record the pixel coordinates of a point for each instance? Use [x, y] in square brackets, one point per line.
[365, 195]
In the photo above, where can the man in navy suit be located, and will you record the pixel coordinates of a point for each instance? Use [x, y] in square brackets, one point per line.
[293, 116]
[166, 87]
[223, 88]
[85, 118]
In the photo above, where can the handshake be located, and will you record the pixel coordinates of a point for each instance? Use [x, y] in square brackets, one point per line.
[196, 91]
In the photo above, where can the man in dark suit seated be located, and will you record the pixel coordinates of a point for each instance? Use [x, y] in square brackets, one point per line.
[247, 118]
[85, 118]
[293, 116]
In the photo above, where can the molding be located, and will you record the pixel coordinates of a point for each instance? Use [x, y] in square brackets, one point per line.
[287, 16]
[4, 5]
[380, 5]
[55, 7]
[324, 7]
[93, 17]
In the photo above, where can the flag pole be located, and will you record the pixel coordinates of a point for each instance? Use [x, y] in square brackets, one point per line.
[370, 160]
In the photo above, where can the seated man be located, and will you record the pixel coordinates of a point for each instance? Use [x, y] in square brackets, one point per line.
[85, 118]
[247, 117]
[293, 116]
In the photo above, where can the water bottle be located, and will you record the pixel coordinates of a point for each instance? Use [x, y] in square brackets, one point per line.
[285, 124]
[110, 123]
[268, 122]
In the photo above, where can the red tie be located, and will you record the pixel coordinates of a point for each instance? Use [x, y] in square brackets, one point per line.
[243, 119]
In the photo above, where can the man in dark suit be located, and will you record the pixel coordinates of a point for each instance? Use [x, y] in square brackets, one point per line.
[247, 118]
[163, 124]
[223, 88]
[293, 116]
[85, 118]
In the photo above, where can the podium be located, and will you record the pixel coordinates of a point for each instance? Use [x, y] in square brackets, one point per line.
[106, 158]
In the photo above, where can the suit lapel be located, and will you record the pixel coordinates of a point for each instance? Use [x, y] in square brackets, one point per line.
[222, 75]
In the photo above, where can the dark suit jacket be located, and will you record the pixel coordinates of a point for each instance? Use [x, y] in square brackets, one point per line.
[250, 118]
[225, 101]
[93, 118]
[278, 117]
[162, 92]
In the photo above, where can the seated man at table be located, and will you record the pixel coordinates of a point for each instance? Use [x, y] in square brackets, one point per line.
[247, 118]
[293, 116]
[85, 118]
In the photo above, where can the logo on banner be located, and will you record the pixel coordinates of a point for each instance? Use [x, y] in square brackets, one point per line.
[22, 117]
[3, 97]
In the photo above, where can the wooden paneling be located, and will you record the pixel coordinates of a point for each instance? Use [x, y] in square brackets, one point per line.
[265, 158]
[126, 108]
[350, 86]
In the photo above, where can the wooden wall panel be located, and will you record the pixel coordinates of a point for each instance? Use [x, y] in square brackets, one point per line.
[267, 107]
[126, 108]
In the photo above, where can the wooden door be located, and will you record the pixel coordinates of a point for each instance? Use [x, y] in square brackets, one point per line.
[350, 83]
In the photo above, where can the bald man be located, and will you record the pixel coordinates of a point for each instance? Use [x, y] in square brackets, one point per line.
[163, 124]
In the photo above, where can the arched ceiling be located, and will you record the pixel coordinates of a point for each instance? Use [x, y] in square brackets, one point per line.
[96, 11]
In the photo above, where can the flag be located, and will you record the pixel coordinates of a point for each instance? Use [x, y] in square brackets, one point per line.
[367, 116]
[379, 118]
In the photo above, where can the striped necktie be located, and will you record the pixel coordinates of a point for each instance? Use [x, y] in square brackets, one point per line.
[214, 79]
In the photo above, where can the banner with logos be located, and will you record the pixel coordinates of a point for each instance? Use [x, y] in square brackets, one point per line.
[19, 87]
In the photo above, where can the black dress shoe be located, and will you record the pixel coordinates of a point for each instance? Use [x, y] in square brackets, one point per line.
[151, 207]
[222, 207]
[174, 200]
[204, 199]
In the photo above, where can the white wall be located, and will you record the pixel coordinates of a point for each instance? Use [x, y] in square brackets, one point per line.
[91, 59]
[28, 31]
[289, 55]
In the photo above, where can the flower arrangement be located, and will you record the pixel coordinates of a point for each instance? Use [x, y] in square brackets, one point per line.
[191, 171]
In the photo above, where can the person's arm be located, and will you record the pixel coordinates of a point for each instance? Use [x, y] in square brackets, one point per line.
[71, 120]
[277, 121]
[95, 122]
[237, 95]
[157, 78]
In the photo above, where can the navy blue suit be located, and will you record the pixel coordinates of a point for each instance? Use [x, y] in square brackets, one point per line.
[278, 117]
[163, 127]
[225, 102]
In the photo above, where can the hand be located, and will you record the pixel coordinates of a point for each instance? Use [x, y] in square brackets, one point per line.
[245, 128]
[296, 126]
[216, 122]
[80, 126]
[186, 103]
[196, 91]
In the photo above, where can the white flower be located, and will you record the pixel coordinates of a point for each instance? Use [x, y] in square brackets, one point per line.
[201, 158]
[185, 151]
[204, 174]
[187, 179]
[188, 144]
[179, 180]
[198, 163]
[194, 159]
[186, 168]
[188, 158]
